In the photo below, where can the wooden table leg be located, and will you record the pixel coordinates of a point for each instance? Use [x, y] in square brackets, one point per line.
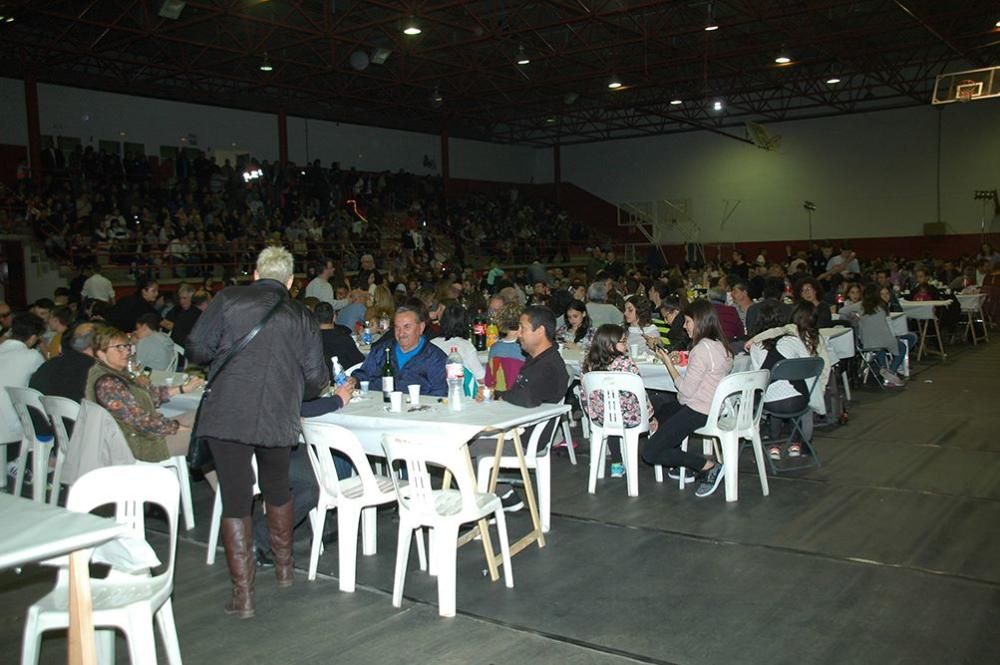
[922, 327]
[82, 646]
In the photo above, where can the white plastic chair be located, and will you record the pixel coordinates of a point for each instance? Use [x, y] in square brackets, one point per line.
[355, 498]
[612, 384]
[541, 462]
[23, 399]
[179, 466]
[216, 524]
[735, 414]
[441, 510]
[353, 368]
[59, 410]
[125, 602]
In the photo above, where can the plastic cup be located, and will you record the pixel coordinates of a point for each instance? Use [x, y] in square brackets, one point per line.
[634, 348]
[168, 381]
[414, 390]
[396, 401]
[364, 388]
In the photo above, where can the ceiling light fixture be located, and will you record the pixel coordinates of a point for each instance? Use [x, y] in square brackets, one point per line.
[614, 83]
[783, 59]
[522, 57]
[717, 105]
[833, 80]
[412, 27]
[265, 65]
[710, 24]
[676, 102]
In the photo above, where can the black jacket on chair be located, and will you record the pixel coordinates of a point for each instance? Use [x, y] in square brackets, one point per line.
[257, 397]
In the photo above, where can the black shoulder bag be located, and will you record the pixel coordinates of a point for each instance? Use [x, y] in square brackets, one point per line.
[199, 456]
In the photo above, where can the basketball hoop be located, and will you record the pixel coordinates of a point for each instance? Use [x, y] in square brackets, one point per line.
[967, 89]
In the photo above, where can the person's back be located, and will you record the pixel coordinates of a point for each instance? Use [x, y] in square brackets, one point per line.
[155, 351]
[337, 341]
[729, 319]
[601, 313]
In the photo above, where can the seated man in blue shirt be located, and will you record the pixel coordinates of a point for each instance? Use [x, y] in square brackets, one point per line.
[414, 360]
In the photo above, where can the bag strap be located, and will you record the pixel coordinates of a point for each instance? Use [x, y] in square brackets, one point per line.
[245, 340]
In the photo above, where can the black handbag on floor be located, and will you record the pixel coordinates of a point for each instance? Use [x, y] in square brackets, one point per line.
[199, 456]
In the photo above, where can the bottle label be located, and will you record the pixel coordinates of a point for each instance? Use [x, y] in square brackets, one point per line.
[388, 384]
[479, 328]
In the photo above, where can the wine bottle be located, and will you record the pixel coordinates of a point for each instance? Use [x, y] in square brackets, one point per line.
[388, 377]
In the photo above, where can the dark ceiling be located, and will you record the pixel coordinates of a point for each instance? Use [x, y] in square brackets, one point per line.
[460, 73]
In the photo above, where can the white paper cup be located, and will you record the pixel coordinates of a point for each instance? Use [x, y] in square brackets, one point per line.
[364, 387]
[414, 394]
[634, 348]
[168, 381]
[396, 401]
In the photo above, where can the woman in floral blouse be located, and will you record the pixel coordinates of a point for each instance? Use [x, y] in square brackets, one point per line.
[151, 437]
[608, 354]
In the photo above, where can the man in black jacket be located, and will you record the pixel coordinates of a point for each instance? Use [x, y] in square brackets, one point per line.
[253, 409]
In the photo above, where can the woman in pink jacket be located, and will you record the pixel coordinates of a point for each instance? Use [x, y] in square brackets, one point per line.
[708, 362]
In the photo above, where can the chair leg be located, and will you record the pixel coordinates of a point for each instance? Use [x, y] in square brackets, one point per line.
[168, 633]
[3, 466]
[56, 477]
[213, 529]
[32, 639]
[141, 641]
[445, 551]
[758, 453]
[567, 437]
[348, 518]
[543, 482]
[596, 458]
[683, 469]
[508, 572]
[40, 470]
[658, 473]
[104, 640]
[630, 456]
[316, 521]
[421, 551]
[22, 463]
[730, 445]
[402, 556]
[369, 531]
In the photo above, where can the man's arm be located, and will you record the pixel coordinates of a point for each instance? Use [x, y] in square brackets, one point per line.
[202, 342]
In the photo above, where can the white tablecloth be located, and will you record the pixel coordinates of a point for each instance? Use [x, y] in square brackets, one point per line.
[922, 309]
[897, 322]
[369, 418]
[839, 342]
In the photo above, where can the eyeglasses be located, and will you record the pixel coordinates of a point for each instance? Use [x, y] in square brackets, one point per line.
[127, 347]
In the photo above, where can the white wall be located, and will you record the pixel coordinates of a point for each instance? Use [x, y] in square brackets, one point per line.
[13, 116]
[870, 175]
[365, 148]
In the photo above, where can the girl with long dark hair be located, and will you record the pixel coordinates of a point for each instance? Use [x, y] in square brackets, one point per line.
[577, 329]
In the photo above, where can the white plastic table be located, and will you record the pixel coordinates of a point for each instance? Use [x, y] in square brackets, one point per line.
[36, 531]
[924, 313]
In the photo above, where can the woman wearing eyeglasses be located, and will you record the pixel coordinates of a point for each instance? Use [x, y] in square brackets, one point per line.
[132, 404]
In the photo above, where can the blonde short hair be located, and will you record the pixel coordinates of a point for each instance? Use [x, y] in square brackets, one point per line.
[275, 263]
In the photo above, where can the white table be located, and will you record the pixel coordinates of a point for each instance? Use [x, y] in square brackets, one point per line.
[36, 531]
[924, 313]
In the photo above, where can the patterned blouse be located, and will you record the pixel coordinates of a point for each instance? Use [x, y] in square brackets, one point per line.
[564, 334]
[630, 405]
[113, 394]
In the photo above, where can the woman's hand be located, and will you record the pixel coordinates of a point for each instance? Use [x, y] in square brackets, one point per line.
[662, 355]
[653, 341]
[746, 347]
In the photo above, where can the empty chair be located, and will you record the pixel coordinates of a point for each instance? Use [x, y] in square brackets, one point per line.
[59, 410]
[794, 370]
[441, 510]
[975, 320]
[612, 384]
[537, 456]
[735, 414]
[355, 498]
[126, 602]
[24, 400]
[178, 464]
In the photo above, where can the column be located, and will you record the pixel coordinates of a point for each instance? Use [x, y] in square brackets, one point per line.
[34, 127]
[282, 137]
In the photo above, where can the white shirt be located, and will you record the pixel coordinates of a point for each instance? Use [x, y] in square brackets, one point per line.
[470, 357]
[17, 364]
[320, 288]
[98, 287]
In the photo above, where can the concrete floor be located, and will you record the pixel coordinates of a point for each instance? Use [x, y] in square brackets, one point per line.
[890, 553]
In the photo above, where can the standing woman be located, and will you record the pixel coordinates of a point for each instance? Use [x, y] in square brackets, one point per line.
[709, 361]
[253, 409]
[609, 353]
[638, 318]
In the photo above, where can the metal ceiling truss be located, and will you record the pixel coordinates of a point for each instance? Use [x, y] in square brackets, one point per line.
[885, 53]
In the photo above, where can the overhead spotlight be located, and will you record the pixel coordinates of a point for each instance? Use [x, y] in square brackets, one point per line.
[833, 80]
[412, 27]
[522, 57]
[171, 9]
[711, 25]
[614, 83]
[7, 19]
[676, 102]
[437, 99]
[551, 120]
[265, 65]
[717, 105]
[998, 24]
[783, 59]
[380, 55]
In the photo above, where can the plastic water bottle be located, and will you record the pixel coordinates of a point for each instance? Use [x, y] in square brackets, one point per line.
[366, 334]
[455, 373]
[339, 377]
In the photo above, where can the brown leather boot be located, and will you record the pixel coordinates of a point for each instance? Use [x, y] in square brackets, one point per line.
[237, 538]
[281, 525]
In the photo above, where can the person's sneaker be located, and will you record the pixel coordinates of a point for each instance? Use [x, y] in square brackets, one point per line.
[795, 450]
[774, 452]
[511, 501]
[710, 481]
[617, 470]
[674, 473]
[890, 377]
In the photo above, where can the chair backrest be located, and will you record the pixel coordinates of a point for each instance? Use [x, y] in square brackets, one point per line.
[23, 399]
[178, 349]
[612, 384]
[543, 426]
[799, 369]
[737, 395]
[417, 496]
[59, 410]
[129, 488]
[972, 302]
[322, 439]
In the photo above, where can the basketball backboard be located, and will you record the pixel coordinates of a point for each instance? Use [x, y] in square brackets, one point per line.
[967, 86]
